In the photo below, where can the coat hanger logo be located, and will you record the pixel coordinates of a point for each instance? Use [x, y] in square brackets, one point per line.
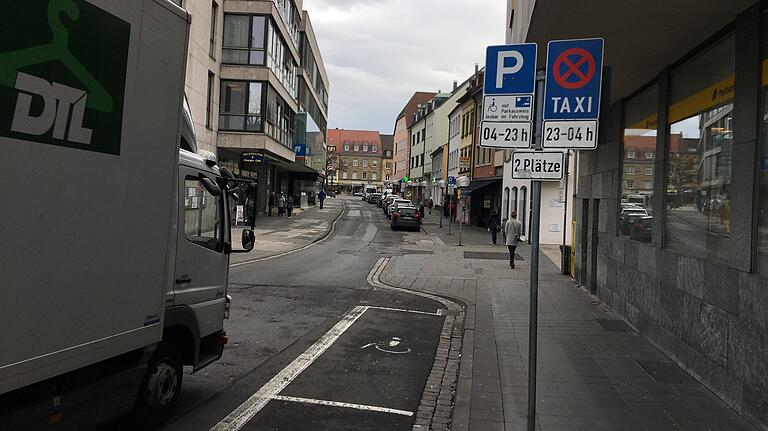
[63, 106]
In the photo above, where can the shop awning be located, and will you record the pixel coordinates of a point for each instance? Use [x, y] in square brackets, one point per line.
[482, 183]
[661, 32]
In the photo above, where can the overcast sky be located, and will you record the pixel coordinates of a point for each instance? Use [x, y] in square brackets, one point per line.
[378, 52]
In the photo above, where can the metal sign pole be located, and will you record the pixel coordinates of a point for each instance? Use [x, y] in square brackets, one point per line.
[461, 221]
[535, 221]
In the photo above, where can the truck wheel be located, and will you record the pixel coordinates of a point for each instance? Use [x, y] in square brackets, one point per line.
[160, 387]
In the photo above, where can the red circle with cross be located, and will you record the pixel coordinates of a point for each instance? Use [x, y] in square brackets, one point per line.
[573, 68]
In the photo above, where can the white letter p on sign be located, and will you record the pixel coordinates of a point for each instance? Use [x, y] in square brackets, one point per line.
[502, 70]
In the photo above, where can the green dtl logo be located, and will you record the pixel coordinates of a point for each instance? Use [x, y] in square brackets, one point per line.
[62, 74]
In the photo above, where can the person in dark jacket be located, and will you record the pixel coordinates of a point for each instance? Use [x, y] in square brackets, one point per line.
[271, 203]
[493, 226]
[322, 197]
[289, 205]
[421, 211]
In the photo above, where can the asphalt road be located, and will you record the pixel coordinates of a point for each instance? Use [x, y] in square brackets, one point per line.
[313, 346]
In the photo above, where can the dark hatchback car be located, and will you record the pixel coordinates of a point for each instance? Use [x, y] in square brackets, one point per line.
[642, 229]
[405, 217]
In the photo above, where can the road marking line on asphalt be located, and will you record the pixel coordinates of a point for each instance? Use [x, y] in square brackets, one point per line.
[345, 405]
[248, 409]
[403, 310]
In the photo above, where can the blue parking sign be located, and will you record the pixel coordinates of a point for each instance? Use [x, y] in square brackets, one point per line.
[574, 75]
[510, 69]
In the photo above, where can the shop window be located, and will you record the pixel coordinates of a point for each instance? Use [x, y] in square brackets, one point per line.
[762, 218]
[635, 216]
[698, 190]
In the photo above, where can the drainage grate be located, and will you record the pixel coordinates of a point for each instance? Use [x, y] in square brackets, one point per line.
[664, 372]
[614, 325]
[489, 255]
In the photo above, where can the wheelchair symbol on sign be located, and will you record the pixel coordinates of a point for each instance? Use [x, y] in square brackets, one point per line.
[393, 345]
[492, 106]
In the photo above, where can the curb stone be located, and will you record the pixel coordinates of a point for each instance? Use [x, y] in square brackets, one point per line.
[436, 407]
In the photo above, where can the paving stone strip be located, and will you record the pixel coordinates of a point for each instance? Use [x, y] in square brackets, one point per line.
[437, 401]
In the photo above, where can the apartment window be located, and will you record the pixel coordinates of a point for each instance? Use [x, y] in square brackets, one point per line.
[631, 154]
[365, 148]
[354, 175]
[365, 163]
[280, 119]
[648, 171]
[214, 18]
[374, 176]
[280, 60]
[240, 106]
[346, 162]
[354, 163]
[343, 175]
[346, 147]
[357, 147]
[423, 135]
[375, 163]
[630, 184]
[649, 155]
[631, 171]
[245, 39]
[209, 99]
[374, 148]
[365, 175]
[698, 191]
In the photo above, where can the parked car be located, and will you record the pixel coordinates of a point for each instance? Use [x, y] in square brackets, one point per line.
[393, 206]
[642, 229]
[387, 202]
[405, 216]
[374, 197]
[628, 218]
[357, 194]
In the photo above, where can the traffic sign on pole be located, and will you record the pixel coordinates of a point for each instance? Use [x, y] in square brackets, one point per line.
[508, 91]
[572, 93]
[537, 165]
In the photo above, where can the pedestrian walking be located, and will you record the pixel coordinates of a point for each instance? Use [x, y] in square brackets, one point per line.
[322, 197]
[513, 229]
[289, 205]
[280, 204]
[452, 207]
[271, 202]
[493, 226]
[421, 211]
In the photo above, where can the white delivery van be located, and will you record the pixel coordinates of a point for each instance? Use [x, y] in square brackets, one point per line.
[115, 242]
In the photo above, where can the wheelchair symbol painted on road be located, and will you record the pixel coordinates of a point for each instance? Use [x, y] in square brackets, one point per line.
[393, 345]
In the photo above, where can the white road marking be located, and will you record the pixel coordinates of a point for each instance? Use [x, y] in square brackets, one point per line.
[354, 213]
[248, 409]
[402, 310]
[340, 404]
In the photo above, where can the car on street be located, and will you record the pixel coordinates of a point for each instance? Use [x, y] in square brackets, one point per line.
[628, 218]
[642, 229]
[395, 203]
[374, 198]
[387, 202]
[405, 217]
[357, 194]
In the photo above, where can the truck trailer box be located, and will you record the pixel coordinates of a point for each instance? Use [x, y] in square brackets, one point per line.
[90, 92]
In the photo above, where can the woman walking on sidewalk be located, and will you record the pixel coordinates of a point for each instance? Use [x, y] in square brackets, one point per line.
[271, 203]
[512, 231]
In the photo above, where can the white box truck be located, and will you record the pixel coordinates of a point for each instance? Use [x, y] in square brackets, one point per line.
[115, 242]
